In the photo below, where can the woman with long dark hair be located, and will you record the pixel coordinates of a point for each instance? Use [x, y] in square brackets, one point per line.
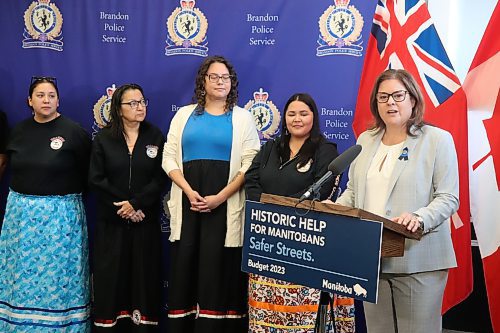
[287, 166]
[125, 172]
[210, 145]
[44, 275]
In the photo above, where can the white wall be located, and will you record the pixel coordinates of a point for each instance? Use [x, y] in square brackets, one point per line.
[461, 24]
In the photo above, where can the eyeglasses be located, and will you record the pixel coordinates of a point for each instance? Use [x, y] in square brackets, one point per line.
[135, 104]
[397, 96]
[50, 79]
[214, 78]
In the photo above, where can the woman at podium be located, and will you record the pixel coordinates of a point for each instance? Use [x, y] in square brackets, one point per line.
[287, 166]
[407, 172]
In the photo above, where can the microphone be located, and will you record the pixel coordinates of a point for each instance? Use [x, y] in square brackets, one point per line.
[336, 167]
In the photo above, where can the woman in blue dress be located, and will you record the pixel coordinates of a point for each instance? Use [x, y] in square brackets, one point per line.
[44, 277]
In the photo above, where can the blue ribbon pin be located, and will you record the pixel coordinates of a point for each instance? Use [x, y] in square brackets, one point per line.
[404, 154]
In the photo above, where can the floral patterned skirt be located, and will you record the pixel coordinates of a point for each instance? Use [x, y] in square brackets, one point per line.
[281, 307]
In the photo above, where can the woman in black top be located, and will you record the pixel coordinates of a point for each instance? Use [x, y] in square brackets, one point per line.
[126, 174]
[287, 166]
[43, 245]
[291, 163]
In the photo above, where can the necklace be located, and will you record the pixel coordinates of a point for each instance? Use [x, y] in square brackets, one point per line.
[130, 143]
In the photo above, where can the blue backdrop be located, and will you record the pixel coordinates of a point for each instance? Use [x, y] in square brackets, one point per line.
[278, 48]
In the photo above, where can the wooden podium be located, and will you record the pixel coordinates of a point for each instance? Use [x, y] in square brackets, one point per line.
[393, 236]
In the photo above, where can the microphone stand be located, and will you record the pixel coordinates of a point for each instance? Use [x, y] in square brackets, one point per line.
[325, 300]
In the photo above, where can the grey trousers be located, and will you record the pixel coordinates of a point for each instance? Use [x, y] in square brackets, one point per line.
[407, 303]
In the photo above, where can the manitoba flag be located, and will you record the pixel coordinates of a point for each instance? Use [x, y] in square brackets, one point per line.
[482, 86]
[403, 36]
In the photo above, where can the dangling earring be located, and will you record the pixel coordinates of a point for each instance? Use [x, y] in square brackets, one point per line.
[203, 93]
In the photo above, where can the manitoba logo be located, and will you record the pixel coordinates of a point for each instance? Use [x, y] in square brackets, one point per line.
[266, 114]
[340, 30]
[102, 110]
[43, 26]
[187, 29]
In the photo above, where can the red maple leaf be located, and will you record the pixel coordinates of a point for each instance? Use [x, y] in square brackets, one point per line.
[492, 127]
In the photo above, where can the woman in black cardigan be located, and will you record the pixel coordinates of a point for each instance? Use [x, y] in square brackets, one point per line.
[126, 174]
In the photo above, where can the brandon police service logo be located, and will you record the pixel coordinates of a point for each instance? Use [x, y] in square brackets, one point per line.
[266, 114]
[340, 30]
[187, 29]
[102, 110]
[43, 26]
[151, 151]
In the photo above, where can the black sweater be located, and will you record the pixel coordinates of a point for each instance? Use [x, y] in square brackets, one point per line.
[268, 174]
[49, 158]
[116, 175]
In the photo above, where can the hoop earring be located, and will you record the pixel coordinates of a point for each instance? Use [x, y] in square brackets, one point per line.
[203, 93]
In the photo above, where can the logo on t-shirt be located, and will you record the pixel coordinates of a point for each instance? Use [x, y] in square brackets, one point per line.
[56, 142]
[151, 151]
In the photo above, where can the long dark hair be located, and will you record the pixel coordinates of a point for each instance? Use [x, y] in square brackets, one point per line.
[315, 138]
[116, 121]
[199, 89]
[417, 113]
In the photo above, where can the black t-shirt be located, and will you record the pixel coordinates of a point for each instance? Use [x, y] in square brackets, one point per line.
[48, 158]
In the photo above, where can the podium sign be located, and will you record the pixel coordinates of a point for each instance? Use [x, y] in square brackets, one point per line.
[334, 253]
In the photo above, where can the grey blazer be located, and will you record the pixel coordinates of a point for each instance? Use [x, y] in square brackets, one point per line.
[424, 182]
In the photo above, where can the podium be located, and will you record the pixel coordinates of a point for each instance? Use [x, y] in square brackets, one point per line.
[330, 247]
[393, 237]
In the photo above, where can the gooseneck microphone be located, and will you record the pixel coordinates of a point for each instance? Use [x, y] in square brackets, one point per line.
[336, 167]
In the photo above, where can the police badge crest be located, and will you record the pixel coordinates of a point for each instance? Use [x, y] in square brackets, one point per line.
[187, 29]
[151, 151]
[102, 110]
[266, 115]
[43, 26]
[340, 30]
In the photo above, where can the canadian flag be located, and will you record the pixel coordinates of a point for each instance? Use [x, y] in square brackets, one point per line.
[482, 87]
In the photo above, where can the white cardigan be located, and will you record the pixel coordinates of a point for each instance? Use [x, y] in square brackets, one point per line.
[245, 146]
